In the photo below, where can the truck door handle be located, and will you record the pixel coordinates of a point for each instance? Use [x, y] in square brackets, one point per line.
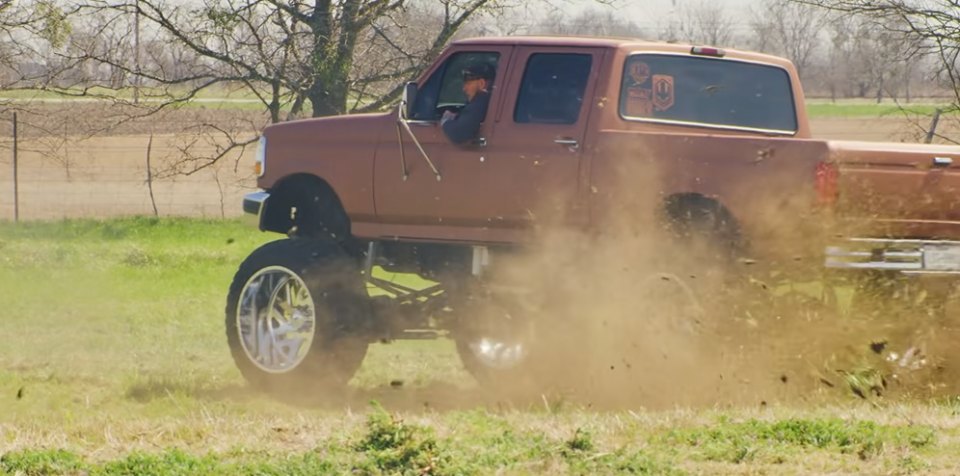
[942, 161]
[567, 141]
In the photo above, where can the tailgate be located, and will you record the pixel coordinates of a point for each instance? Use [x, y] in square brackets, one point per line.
[904, 190]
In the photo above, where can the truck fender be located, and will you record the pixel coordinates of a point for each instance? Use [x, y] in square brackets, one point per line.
[692, 215]
[305, 205]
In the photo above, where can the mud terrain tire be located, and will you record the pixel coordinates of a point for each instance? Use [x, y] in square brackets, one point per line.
[292, 317]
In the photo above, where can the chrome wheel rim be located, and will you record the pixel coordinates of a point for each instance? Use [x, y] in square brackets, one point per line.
[276, 318]
[504, 345]
[497, 353]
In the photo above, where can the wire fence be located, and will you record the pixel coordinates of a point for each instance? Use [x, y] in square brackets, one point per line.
[76, 176]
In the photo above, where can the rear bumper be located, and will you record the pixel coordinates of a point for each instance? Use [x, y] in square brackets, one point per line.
[932, 257]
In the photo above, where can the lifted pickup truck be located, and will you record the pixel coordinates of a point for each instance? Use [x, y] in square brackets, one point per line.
[580, 132]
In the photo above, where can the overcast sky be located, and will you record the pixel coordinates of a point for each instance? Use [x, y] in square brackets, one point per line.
[652, 15]
[654, 8]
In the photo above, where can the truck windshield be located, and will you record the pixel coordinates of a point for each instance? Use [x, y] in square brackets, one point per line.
[707, 91]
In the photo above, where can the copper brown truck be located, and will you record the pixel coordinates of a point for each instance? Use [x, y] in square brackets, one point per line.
[580, 134]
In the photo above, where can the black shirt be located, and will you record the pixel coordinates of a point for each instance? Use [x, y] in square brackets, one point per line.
[465, 126]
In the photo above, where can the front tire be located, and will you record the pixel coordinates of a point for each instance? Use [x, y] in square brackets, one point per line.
[293, 314]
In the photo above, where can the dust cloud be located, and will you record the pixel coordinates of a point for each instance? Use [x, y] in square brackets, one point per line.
[643, 312]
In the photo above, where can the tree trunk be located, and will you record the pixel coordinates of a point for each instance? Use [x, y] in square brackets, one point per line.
[906, 83]
[274, 106]
[329, 101]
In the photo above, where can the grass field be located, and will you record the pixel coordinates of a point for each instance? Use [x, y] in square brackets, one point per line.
[818, 108]
[113, 361]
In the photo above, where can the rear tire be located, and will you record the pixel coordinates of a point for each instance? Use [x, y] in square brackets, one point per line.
[293, 316]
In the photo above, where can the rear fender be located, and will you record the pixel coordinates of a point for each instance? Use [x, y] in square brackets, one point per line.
[692, 215]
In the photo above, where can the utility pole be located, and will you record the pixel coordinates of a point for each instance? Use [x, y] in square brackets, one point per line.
[136, 52]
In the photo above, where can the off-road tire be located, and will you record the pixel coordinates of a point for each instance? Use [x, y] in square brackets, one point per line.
[341, 307]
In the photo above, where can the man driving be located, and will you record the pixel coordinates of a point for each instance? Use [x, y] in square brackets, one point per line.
[463, 126]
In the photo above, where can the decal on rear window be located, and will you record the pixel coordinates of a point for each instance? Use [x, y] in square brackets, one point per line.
[639, 73]
[638, 94]
[702, 91]
[662, 92]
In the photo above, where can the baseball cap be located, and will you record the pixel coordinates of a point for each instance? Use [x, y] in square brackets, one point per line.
[478, 71]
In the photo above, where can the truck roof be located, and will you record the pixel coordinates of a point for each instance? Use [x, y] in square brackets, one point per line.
[628, 44]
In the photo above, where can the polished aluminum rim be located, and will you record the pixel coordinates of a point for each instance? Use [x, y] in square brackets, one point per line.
[498, 353]
[276, 318]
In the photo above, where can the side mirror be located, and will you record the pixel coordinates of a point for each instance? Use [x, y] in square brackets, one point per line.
[409, 98]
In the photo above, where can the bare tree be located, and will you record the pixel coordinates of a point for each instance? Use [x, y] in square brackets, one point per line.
[297, 57]
[703, 22]
[290, 54]
[866, 57]
[790, 29]
[914, 28]
[594, 21]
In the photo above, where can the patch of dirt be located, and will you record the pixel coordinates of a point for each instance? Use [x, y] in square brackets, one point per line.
[107, 176]
[894, 128]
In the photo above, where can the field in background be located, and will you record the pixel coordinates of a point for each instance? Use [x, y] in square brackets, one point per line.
[72, 175]
[114, 362]
[107, 176]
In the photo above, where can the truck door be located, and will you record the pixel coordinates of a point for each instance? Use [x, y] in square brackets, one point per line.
[460, 198]
[540, 133]
[525, 164]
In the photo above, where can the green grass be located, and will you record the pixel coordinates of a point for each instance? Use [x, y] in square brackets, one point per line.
[855, 109]
[113, 361]
[480, 443]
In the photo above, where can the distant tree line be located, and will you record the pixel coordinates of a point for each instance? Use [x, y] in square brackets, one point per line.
[323, 57]
[302, 58]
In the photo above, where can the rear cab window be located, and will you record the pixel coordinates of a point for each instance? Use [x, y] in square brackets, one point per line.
[711, 92]
[552, 88]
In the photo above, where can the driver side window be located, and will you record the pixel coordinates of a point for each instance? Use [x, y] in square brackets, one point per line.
[443, 90]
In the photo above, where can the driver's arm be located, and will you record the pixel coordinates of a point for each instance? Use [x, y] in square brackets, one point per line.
[465, 126]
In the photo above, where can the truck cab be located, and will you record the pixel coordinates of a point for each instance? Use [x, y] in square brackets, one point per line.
[567, 117]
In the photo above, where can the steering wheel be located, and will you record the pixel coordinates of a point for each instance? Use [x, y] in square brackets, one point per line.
[442, 108]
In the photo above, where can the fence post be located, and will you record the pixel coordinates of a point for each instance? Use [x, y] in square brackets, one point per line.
[153, 201]
[16, 185]
[933, 126]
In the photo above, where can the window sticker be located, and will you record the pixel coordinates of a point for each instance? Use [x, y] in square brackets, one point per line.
[663, 96]
[639, 93]
[638, 102]
[639, 73]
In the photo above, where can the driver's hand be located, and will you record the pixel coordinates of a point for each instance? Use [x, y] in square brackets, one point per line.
[447, 116]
